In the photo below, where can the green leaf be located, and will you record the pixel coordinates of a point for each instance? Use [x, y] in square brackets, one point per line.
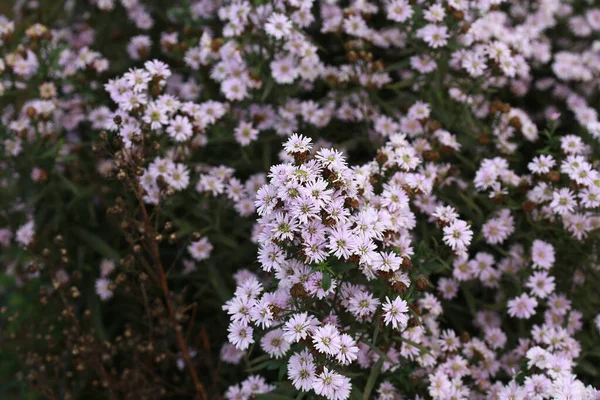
[217, 281]
[376, 333]
[470, 300]
[70, 185]
[260, 359]
[471, 204]
[259, 366]
[417, 345]
[273, 396]
[282, 371]
[356, 394]
[97, 243]
[589, 368]
[326, 283]
[268, 88]
[274, 364]
[520, 378]
[379, 352]
[372, 379]
[226, 240]
[341, 268]
[94, 305]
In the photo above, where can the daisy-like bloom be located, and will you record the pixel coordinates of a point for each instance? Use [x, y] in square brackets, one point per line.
[245, 133]
[178, 177]
[541, 164]
[271, 257]
[106, 268]
[274, 344]
[283, 227]
[449, 341]
[435, 13]
[240, 335]
[399, 10]
[305, 209]
[458, 235]
[448, 288]
[5, 237]
[103, 289]
[331, 158]
[424, 64]
[408, 159]
[332, 385]
[239, 308]
[542, 254]
[395, 198]
[571, 144]
[201, 249]
[474, 63]
[498, 229]
[297, 144]
[255, 385]
[158, 69]
[584, 174]
[13, 146]
[319, 191]
[314, 251]
[508, 65]
[348, 350]
[230, 354]
[567, 387]
[579, 225]
[522, 307]
[462, 270]
[419, 111]
[395, 312]
[302, 370]
[355, 25]
[540, 284]
[234, 89]
[559, 304]
[26, 233]
[137, 79]
[326, 339]
[563, 201]
[365, 247]
[340, 242]
[495, 337]
[139, 47]
[284, 70]
[363, 304]
[387, 391]
[434, 35]
[298, 327]
[261, 312]
[536, 386]
[278, 26]
[481, 266]
[439, 385]
[386, 262]
[445, 214]
[180, 129]
[537, 357]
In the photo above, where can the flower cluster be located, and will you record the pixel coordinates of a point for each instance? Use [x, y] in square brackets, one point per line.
[143, 108]
[300, 199]
[326, 232]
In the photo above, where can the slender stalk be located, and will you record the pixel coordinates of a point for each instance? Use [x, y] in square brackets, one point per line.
[155, 254]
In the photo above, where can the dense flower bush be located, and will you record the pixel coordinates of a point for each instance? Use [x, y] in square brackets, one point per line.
[298, 199]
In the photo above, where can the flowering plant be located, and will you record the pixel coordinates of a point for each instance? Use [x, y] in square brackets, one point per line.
[297, 199]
